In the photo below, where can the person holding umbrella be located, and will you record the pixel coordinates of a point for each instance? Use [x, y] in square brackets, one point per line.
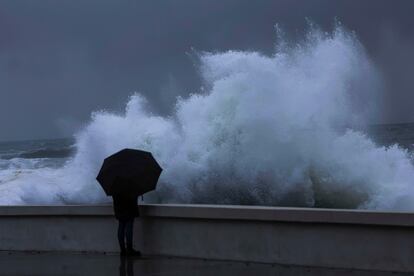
[126, 175]
[125, 209]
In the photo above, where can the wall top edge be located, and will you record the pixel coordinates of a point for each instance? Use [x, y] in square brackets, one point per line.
[226, 212]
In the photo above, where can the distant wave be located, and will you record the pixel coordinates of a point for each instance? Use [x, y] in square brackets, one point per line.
[48, 153]
[37, 149]
[40, 153]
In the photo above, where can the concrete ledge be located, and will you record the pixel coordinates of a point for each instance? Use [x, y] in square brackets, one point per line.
[296, 236]
[282, 214]
[226, 212]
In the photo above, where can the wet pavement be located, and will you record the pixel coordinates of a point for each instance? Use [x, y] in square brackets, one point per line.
[13, 263]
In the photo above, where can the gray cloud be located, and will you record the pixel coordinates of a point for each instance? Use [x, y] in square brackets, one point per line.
[60, 60]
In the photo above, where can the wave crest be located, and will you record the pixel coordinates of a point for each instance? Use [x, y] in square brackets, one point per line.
[268, 130]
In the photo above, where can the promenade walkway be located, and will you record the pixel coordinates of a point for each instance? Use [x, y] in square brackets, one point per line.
[17, 263]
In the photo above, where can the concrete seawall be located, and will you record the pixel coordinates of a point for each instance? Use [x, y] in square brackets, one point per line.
[295, 236]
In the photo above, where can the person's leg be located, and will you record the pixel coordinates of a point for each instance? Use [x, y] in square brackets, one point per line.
[129, 232]
[129, 237]
[121, 235]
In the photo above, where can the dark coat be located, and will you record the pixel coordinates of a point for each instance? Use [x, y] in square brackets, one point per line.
[125, 208]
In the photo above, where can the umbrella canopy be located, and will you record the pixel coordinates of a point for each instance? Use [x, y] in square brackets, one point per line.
[129, 172]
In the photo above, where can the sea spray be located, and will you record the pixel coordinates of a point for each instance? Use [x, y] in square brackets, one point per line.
[266, 130]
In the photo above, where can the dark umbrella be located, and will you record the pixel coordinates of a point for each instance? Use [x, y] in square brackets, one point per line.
[129, 172]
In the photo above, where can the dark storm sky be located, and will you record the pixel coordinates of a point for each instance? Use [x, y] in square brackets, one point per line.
[61, 60]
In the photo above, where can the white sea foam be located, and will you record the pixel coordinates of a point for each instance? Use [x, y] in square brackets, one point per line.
[273, 130]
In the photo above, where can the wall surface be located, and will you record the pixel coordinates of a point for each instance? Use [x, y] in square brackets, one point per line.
[297, 236]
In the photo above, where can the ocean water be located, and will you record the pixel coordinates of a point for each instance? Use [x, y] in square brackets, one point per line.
[35, 154]
[25, 157]
[287, 129]
[55, 153]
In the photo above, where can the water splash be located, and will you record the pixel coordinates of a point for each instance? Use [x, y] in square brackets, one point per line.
[266, 130]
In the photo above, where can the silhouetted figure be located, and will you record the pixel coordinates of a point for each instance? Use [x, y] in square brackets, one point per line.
[126, 209]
